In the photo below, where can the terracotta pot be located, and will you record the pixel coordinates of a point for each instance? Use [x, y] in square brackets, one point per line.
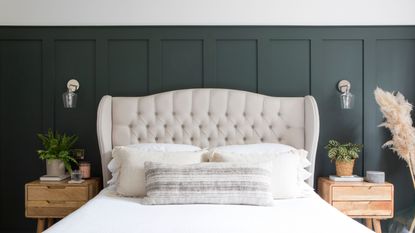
[344, 168]
[55, 167]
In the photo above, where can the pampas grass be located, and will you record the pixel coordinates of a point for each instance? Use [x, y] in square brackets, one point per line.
[397, 113]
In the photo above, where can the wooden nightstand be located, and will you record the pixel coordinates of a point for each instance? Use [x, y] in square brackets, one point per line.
[370, 201]
[50, 200]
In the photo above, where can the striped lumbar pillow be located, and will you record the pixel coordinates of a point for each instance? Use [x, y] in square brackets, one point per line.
[208, 183]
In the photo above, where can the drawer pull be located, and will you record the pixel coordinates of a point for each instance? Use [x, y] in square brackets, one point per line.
[56, 187]
[55, 202]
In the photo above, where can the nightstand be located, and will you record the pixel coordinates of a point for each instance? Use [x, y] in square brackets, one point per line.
[50, 200]
[369, 201]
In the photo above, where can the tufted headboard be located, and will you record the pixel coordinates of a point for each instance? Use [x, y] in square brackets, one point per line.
[207, 118]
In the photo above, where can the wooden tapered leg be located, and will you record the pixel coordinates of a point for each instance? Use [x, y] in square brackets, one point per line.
[50, 222]
[40, 225]
[376, 225]
[369, 223]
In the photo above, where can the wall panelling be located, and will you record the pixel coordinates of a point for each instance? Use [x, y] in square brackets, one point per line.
[36, 62]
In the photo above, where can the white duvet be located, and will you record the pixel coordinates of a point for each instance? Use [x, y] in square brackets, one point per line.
[108, 213]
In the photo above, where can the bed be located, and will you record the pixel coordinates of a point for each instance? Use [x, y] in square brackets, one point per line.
[206, 118]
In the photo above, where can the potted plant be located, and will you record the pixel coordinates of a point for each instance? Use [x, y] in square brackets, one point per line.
[56, 152]
[344, 155]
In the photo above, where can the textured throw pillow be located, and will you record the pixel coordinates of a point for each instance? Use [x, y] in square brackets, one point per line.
[114, 165]
[287, 175]
[208, 183]
[131, 181]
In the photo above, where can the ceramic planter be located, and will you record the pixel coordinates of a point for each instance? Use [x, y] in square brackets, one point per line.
[55, 167]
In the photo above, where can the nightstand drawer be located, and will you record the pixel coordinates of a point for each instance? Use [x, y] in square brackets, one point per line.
[57, 193]
[362, 208]
[364, 193]
[51, 208]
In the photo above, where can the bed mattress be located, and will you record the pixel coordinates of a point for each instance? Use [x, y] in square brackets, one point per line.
[109, 213]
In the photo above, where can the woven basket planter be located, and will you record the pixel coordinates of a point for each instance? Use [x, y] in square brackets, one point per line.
[344, 168]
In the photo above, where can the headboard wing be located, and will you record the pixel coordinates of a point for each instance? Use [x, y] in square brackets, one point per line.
[207, 118]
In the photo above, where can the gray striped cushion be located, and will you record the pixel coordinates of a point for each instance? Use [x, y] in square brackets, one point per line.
[208, 183]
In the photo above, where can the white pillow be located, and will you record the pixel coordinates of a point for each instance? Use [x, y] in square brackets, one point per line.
[264, 148]
[131, 178]
[257, 148]
[114, 165]
[288, 173]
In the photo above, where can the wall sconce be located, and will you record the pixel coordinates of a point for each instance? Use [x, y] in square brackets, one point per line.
[70, 97]
[346, 97]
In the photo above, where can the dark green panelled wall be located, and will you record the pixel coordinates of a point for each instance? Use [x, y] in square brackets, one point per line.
[36, 62]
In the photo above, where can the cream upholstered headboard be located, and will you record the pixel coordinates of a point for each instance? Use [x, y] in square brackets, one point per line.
[207, 118]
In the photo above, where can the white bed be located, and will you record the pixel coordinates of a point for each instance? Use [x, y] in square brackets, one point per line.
[109, 213]
[206, 118]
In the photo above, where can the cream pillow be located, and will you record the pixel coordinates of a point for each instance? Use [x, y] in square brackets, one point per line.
[114, 165]
[287, 175]
[131, 180]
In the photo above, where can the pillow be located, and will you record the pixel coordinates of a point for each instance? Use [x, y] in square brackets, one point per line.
[131, 181]
[114, 165]
[265, 148]
[208, 183]
[258, 148]
[287, 175]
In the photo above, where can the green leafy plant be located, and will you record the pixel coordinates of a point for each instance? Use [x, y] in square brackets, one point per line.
[57, 146]
[346, 152]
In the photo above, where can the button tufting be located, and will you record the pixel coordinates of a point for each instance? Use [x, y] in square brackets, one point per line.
[139, 139]
[262, 114]
[138, 113]
[174, 113]
[279, 139]
[147, 126]
[226, 139]
[262, 139]
[191, 139]
[217, 125]
[279, 114]
[173, 139]
[244, 138]
[156, 138]
[244, 114]
[288, 127]
[226, 114]
[156, 113]
[200, 126]
[182, 126]
[235, 126]
[270, 126]
[208, 113]
[208, 138]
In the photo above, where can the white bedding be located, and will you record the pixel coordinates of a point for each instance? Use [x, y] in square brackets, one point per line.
[109, 213]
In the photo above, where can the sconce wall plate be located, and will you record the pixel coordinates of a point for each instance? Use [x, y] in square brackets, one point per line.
[343, 86]
[72, 85]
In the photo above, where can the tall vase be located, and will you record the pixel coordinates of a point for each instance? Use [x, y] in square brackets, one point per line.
[55, 167]
[403, 222]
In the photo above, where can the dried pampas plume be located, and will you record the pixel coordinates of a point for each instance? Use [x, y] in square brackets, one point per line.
[397, 112]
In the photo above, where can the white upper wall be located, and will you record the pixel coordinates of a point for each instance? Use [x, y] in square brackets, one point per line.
[207, 12]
